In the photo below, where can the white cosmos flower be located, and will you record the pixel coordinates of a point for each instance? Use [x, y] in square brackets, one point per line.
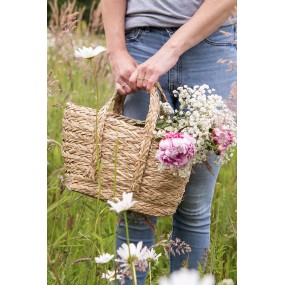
[104, 258]
[151, 255]
[111, 275]
[124, 204]
[187, 277]
[89, 52]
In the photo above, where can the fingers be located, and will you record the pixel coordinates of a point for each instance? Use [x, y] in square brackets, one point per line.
[148, 75]
[151, 81]
[133, 77]
[145, 76]
[141, 78]
[123, 88]
[124, 82]
[123, 65]
[138, 77]
[120, 89]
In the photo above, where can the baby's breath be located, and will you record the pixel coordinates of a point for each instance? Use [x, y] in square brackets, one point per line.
[201, 110]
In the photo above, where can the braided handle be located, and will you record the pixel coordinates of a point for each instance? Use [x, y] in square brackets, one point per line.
[98, 131]
[150, 125]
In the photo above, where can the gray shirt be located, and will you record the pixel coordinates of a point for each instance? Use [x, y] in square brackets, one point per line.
[160, 13]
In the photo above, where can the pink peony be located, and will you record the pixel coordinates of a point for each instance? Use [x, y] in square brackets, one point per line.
[176, 150]
[222, 138]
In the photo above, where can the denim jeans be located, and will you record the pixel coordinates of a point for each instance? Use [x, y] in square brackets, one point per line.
[197, 66]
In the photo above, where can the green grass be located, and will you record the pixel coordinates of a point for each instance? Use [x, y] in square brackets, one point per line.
[72, 216]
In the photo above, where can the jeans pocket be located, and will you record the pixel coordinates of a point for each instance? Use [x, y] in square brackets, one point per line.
[223, 36]
[133, 34]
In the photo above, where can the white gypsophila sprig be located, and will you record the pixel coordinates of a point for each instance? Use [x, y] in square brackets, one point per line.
[104, 258]
[111, 275]
[166, 108]
[187, 277]
[89, 52]
[122, 205]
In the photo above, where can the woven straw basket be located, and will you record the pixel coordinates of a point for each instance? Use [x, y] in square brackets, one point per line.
[127, 154]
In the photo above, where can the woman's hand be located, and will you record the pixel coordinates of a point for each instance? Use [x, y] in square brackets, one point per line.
[123, 65]
[147, 73]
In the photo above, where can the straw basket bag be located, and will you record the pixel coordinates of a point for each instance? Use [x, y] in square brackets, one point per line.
[127, 156]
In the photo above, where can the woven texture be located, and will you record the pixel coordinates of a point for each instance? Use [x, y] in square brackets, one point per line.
[126, 153]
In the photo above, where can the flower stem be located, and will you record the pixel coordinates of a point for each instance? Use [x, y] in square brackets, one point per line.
[98, 163]
[96, 83]
[96, 123]
[133, 270]
[105, 270]
[149, 265]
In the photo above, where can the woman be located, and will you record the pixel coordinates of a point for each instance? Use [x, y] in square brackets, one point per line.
[175, 42]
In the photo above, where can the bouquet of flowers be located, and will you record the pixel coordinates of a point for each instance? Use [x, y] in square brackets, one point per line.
[202, 125]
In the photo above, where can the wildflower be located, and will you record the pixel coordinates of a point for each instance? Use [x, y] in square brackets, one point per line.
[226, 282]
[151, 255]
[222, 138]
[176, 150]
[179, 247]
[187, 277]
[89, 52]
[122, 205]
[104, 258]
[111, 275]
[132, 253]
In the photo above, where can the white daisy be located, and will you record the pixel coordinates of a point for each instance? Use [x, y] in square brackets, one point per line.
[226, 282]
[135, 252]
[187, 277]
[104, 258]
[111, 275]
[151, 255]
[122, 205]
[89, 52]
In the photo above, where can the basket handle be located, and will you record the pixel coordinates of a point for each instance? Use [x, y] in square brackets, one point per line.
[150, 125]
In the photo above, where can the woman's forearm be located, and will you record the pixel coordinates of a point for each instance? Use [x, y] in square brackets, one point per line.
[122, 63]
[114, 24]
[210, 16]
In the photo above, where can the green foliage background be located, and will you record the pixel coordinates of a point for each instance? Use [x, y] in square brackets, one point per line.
[79, 3]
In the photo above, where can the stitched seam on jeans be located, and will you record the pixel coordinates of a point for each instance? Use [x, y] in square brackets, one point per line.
[136, 36]
[218, 43]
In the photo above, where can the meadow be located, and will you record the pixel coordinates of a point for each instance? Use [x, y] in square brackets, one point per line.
[72, 240]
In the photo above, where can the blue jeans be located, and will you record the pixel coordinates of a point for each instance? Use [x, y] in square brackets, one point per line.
[197, 66]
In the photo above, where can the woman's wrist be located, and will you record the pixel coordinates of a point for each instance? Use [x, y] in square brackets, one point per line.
[115, 50]
[172, 49]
